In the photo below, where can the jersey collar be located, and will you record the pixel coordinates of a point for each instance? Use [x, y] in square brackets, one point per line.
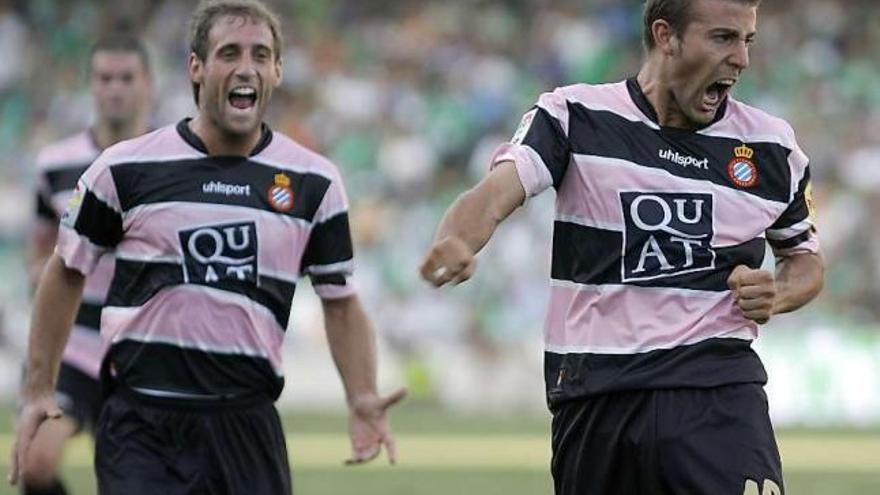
[641, 101]
[196, 142]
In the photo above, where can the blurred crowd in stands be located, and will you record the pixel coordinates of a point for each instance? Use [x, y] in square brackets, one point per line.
[411, 97]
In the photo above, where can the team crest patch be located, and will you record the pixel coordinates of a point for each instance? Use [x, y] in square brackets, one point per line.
[524, 126]
[280, 194]
[742, 170]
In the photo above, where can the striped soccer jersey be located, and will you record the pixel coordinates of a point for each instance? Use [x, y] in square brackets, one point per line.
[59, 166]
[209, 250]
[650, 222]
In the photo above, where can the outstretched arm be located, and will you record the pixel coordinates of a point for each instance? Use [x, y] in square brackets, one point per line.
[55, 306]
[469, 224]
[353, 346]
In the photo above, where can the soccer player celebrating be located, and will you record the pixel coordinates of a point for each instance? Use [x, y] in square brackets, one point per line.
[119, 81]
[212, 222]
[667, 191]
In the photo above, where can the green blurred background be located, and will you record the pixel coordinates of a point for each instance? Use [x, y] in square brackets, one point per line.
[409, 98]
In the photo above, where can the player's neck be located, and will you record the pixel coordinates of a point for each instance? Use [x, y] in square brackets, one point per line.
[659, 94]
[107, 134]
[221, 143]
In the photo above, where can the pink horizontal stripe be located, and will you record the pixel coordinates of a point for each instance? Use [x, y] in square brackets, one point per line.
[592, 192]
[152, 232]
[74, 149]
[76, 251]
[84, 351]
[163, 143]
[612, 97]
[626, 319]
[98, 282]
[199, 318]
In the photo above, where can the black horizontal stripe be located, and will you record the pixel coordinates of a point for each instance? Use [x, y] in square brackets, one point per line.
[711, 363]
[332, 279]
[44, 209]
[797, 211]
[98, 222]
[64, 178]
[548, 139]
[329, 243]
[606, 134]
[182, 180]
[587, 255]
[136, 282]
[791, 242]
[89, 316]
[170, 368]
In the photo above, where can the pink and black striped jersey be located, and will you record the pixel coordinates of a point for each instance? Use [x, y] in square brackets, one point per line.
[209, 250]
[59, 166]
[650, 222]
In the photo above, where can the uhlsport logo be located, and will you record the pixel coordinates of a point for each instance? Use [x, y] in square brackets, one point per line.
[280, 194]
[217, 187]
[217, 253]
[684, 160]
[742, 170]
[666, 234]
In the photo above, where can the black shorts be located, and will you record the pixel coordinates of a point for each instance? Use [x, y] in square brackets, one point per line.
[79, 396]
[142, 449]
[714, 441]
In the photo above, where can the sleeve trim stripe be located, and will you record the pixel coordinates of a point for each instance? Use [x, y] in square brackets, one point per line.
[792, 242]
[789, 232]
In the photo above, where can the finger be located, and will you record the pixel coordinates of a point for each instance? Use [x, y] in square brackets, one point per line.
[759, 317]
[466, 273]
[761, 304]
[392, 398]
[55, 413]
[734, 280]
[429, 265]
[756, 292]
[390, 448]
[443, 275]
[12, 476]
[363, 455]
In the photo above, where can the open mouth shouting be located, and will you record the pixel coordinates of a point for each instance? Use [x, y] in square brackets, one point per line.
[715, 93]
[243, 97]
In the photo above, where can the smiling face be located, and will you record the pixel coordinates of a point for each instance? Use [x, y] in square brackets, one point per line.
[704, 62]
[237, 76]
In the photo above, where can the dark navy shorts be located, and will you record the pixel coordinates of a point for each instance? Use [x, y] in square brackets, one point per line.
[712, 441]
[144, 449]
[79, 396]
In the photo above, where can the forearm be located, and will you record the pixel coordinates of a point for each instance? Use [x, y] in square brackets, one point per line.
[352, 344]
[475, 215]
[799, 280]
[40, 246]
[55, 306]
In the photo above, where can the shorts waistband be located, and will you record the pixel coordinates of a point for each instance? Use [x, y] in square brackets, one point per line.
[207, 404]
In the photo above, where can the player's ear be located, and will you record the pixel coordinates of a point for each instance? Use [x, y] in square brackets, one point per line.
[278, 72]
[665, 39]
[196, 68]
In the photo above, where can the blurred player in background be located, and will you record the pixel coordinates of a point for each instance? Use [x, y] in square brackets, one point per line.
[212, 222]
[119, 80]
[667, 191]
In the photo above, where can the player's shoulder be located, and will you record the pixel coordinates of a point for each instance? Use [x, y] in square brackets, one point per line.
[74, 150]
[286, 153]
[587, 91]
[162, 144]
[754, 124]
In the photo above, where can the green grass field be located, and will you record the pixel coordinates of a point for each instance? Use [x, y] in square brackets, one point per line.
[442, 454]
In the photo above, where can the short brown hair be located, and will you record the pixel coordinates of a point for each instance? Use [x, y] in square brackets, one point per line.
[121, 42]
[676, 12]
[209, 11]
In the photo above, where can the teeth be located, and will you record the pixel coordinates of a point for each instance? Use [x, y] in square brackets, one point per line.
[243, 91]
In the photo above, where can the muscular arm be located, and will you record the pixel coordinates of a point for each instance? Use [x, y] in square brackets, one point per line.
[799, 278]
[353, 347]
[41, 243]
[469, 224]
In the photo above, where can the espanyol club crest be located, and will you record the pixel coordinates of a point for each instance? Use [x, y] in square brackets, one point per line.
[280, 194]
[742, 170]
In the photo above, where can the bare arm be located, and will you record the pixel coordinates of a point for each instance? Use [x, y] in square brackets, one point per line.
[40, 246]
[799, 279]
[353, 347]
[57, 299]
[760, 294]
[469, 224]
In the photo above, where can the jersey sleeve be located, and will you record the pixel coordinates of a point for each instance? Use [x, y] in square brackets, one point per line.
[540, 147]
[794, 232]
[92, 223]
[328, 258]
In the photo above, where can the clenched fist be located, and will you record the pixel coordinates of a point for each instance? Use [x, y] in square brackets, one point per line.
[449, 260]
[754, 292]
